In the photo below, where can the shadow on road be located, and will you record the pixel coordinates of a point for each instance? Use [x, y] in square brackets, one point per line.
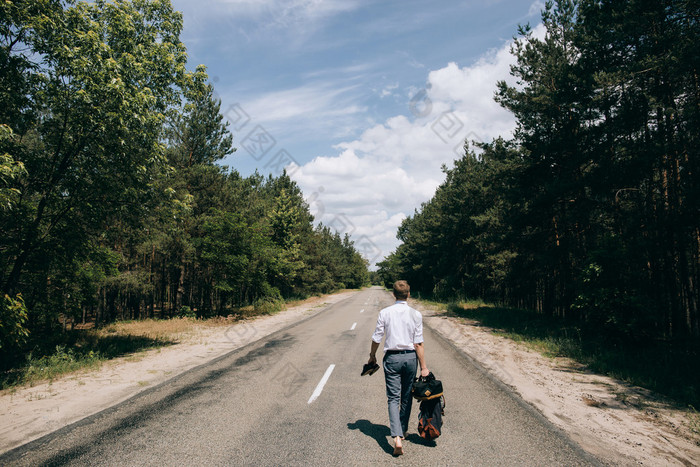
[380, 433]
[417, 439]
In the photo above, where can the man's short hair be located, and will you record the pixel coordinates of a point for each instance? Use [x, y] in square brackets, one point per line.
[401, 290]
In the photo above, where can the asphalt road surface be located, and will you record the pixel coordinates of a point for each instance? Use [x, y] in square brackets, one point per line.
[266, 404]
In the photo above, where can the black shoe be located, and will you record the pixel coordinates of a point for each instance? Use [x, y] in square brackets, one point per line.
[369, 369]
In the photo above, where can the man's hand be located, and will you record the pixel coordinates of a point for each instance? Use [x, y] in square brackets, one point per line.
[420, 353]
[373, 353]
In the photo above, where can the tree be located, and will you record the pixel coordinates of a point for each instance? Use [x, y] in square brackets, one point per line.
[590, 211]
[112, 200]
[11, 172]
[103, 76]
[199, 135]
[13, 330]
[554, 114]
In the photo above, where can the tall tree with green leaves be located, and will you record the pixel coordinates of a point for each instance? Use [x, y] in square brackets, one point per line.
[553, 112]
[112, 200]
[103, 76]
[11, 172]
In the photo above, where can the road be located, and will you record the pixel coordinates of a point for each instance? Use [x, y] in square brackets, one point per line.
[265, 404]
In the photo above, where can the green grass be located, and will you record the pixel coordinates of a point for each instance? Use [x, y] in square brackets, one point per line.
[60, 362]
[694, 421]
[59, 354]
[671, 370]
[55, 353]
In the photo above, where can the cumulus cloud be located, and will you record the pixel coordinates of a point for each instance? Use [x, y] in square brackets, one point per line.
[378, 179]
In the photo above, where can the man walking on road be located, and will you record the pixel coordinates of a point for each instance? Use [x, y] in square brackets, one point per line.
[403, 351]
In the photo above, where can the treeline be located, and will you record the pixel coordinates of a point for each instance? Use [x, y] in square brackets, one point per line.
[112, 204]
[592, 211]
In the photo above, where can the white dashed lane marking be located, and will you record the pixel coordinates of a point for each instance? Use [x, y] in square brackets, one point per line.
[321, 384]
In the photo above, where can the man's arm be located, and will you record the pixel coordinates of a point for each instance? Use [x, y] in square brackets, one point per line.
[373, 353]
[420, 353]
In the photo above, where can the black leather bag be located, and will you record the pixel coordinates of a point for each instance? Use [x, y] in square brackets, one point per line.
[427, 387]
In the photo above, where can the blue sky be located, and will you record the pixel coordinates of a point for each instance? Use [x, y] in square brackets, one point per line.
[362, 101]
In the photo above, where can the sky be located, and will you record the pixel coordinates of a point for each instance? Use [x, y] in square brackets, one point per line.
[362, 102]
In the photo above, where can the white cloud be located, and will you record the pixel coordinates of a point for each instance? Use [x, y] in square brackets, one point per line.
[536, 8]
[388, 90]
[379, 178]
[288, 22]
[354, 71]
[331, 107]
[282, 12]
[305, 8]
[314, 99]
[410, 60]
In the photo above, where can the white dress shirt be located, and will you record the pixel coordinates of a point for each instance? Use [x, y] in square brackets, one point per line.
[402, 325]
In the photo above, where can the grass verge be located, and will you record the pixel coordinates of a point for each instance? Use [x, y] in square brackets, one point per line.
[670, 369]
[54, 354]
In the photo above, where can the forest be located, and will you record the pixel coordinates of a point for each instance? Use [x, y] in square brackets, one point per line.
[113, 200]
[590, 212]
